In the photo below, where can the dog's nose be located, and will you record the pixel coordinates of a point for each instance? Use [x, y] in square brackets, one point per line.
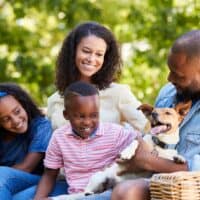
[154, 115]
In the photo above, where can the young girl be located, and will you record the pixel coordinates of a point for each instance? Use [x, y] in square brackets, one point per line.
[90, 53]
[24, 136]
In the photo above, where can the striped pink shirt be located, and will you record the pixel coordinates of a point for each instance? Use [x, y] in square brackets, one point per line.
[83, 157]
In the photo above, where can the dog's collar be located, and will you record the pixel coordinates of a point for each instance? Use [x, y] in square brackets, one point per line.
[162, 144]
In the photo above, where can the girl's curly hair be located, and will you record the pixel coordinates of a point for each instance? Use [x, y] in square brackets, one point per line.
[23, 98]
[66, 70]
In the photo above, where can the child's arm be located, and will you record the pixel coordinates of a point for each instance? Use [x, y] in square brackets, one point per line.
[40, 134]
[46, 183]
[30, 162]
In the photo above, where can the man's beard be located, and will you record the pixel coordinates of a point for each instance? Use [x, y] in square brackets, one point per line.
[187, 94]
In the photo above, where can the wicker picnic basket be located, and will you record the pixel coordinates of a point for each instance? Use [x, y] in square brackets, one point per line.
[175, 186]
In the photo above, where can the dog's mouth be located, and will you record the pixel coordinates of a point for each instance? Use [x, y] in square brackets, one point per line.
[158, 127]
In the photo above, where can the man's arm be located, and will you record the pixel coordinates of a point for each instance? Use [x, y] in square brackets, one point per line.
[46, 183]
[144, 160]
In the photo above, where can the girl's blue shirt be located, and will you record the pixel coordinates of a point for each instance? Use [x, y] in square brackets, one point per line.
[36, 139]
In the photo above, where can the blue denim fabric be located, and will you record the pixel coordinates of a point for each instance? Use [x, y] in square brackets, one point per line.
[189, 144]
[13, 181]
[19, 185]
[102, 196]
[28, 194]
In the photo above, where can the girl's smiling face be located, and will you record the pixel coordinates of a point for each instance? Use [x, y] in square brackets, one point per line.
[13, 117]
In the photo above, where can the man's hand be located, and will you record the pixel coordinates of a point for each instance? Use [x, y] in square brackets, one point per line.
[139, 162]
[146, 159]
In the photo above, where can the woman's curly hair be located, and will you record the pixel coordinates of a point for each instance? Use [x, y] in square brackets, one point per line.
[66, 70]
[23, 98]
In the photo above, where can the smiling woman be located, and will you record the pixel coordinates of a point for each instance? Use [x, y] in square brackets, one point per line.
[90, 53]
[90, 56]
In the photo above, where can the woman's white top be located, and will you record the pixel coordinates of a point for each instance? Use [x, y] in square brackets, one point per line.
[117, 105]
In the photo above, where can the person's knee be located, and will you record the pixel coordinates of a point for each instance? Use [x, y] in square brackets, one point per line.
[4, 170]
[118, 192]
[5, 173]
[139, 190]
[28, 193]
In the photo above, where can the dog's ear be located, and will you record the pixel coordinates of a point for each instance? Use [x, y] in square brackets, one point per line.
[183, 108]
[146, 109]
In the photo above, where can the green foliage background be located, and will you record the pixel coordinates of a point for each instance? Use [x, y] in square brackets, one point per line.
[31, 32]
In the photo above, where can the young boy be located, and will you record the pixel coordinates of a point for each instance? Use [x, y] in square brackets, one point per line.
[84, 146]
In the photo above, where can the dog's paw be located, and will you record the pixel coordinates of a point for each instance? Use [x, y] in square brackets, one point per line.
[179, 159]
[129, 151]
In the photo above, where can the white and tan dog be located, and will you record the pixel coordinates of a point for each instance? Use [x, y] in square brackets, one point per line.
[164, 133]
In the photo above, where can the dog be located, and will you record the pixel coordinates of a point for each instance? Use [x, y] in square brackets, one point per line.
[165, 129]
[163, 136]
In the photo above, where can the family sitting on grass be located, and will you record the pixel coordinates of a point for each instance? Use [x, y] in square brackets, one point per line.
[93, 119]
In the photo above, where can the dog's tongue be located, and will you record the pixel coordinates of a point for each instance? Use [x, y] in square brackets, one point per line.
[158, 129]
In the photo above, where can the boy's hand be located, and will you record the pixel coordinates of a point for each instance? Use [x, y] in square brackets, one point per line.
[139, 162]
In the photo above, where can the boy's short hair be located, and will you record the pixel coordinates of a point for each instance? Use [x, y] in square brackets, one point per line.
[79, 88]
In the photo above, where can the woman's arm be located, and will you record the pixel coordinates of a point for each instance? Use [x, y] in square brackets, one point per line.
[30, 162]
[46, 183]
[128, 105]
[55, 105]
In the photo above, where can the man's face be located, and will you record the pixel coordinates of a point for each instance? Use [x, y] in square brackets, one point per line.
[83, 114]
[185, 74]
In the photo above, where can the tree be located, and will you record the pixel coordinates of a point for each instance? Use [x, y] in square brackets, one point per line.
[31, 33]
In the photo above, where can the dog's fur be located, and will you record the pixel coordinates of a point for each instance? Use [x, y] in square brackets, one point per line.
[168, 119]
